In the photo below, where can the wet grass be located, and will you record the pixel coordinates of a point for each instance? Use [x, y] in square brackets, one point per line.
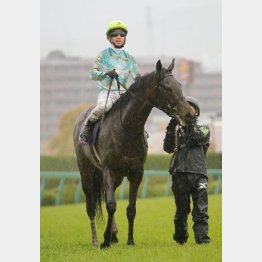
[66, 234]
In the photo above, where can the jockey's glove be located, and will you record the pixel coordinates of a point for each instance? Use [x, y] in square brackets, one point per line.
[112, 73]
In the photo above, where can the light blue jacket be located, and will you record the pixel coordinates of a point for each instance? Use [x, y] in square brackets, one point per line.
[109, 59]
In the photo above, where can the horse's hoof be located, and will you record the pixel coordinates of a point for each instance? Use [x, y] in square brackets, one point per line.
[130, 242]
[113, 239]
[104, 245]
[95, 243]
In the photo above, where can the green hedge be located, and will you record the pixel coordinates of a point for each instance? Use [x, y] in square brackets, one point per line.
[155, 188]
[58, 163]
[161, 161]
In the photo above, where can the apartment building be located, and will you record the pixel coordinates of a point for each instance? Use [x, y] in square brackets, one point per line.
[64, 84]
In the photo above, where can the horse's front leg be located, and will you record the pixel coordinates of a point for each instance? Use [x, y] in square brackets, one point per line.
[131, 208]
[110, 205]
[114, 232]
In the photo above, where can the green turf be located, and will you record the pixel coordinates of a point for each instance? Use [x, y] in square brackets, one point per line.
[66, 234]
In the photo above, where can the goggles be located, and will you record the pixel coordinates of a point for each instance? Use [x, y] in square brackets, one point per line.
[118, 32]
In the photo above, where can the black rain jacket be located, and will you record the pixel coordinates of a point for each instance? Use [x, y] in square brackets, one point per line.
[193, 144]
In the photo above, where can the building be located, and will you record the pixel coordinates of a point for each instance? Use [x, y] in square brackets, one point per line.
[64, 84]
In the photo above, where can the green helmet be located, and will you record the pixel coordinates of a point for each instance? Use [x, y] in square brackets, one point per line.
[116, 24]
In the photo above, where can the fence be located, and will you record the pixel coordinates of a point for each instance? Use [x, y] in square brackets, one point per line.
[148, 174]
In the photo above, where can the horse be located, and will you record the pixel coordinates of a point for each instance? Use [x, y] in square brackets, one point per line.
[121, 146]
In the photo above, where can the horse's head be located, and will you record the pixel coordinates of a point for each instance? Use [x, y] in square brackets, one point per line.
[169, 97]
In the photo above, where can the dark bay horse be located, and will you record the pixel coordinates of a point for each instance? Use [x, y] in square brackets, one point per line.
[121, 149]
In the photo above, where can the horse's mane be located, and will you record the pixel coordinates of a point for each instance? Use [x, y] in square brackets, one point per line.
[134, 88]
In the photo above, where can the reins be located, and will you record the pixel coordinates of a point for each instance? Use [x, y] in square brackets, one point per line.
[109, 89]
[174, 112]
[157, 85]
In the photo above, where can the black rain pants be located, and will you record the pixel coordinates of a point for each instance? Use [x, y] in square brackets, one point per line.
[185, 185]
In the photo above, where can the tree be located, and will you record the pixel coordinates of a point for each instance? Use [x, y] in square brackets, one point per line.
[63, 142]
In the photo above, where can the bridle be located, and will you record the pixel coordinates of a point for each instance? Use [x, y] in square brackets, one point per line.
[172, 112]
[157, 85]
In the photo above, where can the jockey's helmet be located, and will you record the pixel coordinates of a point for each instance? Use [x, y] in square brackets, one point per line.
[116, 24]
[191, 100]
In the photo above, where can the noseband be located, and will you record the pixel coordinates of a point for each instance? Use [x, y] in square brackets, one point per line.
[171, 111]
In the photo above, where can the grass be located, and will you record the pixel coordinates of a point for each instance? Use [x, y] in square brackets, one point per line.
[66, 234]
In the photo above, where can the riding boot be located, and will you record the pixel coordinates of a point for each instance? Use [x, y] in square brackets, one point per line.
[86, 134]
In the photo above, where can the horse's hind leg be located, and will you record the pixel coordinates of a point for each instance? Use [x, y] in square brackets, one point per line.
[91, 214]
[110, 205]
[87, 176]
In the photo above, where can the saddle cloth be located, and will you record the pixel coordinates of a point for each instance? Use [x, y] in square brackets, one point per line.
[95, 132]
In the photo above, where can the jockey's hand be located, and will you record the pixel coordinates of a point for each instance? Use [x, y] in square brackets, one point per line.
[112, 73]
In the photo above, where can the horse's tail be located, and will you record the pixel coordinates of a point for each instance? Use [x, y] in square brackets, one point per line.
[98, 193]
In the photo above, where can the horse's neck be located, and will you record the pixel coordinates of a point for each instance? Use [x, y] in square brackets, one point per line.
[138, 108]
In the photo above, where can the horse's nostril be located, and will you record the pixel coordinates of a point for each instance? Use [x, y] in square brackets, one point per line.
[189, 116]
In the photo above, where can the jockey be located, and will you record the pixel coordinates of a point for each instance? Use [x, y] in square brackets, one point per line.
[111, 63]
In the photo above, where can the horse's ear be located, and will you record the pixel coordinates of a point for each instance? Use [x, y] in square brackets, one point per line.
[158, 66]
[170, 68]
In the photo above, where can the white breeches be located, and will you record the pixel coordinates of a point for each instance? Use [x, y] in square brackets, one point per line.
[97, 112]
